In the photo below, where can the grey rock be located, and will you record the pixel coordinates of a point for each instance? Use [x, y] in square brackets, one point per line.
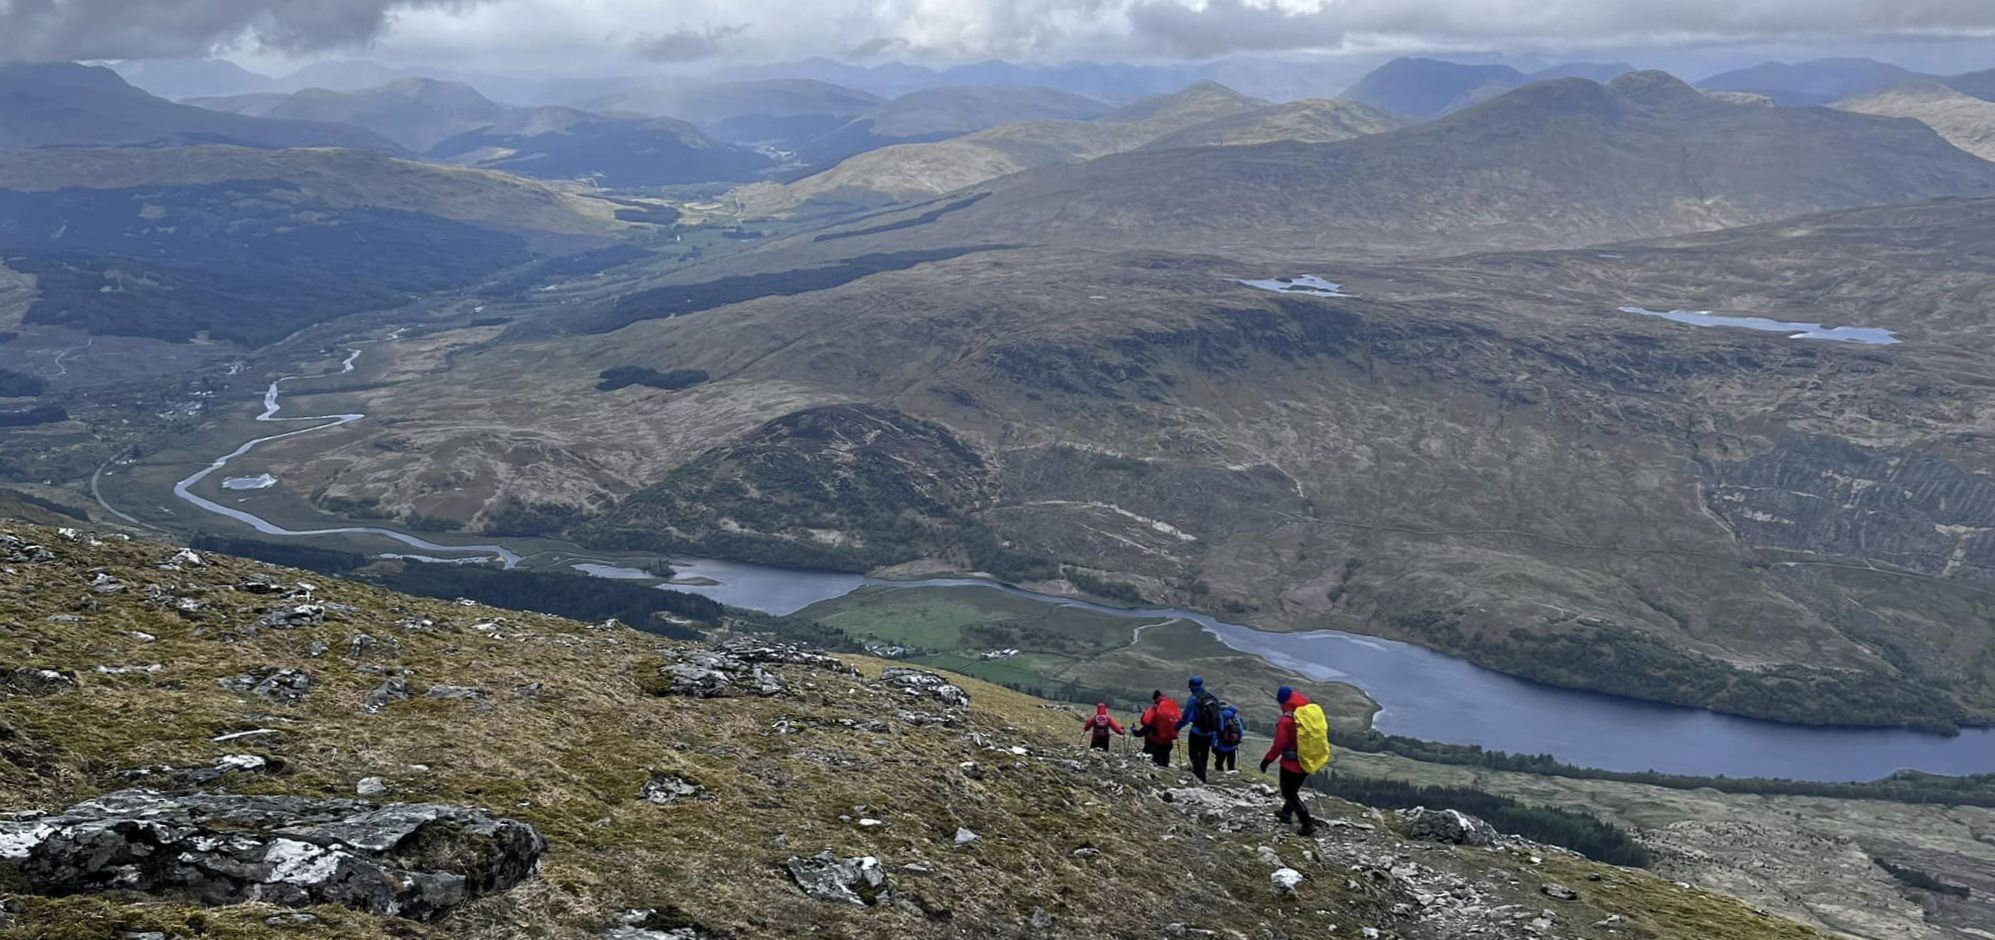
[292, 617]
[293, 919]
[1086, 851]
[1559, 892]
[1285, 880]
[665, 789]
[362, 646]
[32, 681]
[921, 684]
[16, 549]
[650, 924]
[370, 787]
[185, 557]
[165, 774]
[260, 585]
[965, 836]
[105, 584]
[1446, 825]
[753, 650]
[287, 686]
[394, 689]
[453, 692]
[711, 674]
[859, 881]
[409, 860]
[1042, 919]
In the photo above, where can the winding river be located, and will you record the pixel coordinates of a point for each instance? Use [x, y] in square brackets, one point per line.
[1422, 693]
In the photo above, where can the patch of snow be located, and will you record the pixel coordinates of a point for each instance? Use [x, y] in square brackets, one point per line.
[1308, 284]
[258, 482]
[1874, 336]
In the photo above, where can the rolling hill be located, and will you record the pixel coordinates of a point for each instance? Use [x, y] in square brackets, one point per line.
[1426, 88]
[250, 245]
[780, 112]
[67, 105]
[906, 172]
[451, 121]
[1310, 121]
[941, 113]
[1555, 164]
[1964, 120]
[1815, 82]
[417, 113]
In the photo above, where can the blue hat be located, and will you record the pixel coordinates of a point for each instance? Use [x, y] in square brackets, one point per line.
[1197, 681]
[1282, 694]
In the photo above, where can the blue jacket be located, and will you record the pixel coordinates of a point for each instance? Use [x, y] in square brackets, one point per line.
[1190, 716]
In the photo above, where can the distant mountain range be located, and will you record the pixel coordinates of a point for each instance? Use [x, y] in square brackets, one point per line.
[1425, 88]
[1205, 114]
[452, 121]
[1815, 82]
[1560, 163]
[63, 104]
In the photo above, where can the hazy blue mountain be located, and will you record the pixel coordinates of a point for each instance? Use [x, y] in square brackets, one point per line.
[64, 104]
[1815, 82]
[191, 78]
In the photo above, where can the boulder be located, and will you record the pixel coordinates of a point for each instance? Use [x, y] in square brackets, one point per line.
[413, 860]
[292, 617]
[711, 674]
[16, 549]
[919, 684]
[287, 686]
[1559, 892]
[31, 681]
[1285, 880]
[859, 881]
[453, 692]
[166, 774]
[668, 788]
[394, 689]
[754, 650]
[1446, 825]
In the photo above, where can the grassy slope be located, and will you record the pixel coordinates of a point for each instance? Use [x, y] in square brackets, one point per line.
[571, 760]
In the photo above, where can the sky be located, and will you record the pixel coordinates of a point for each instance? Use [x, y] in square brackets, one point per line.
[585, 35]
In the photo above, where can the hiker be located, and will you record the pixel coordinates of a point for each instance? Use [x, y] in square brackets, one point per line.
[1159, 728]
[1302, 743]
[1226, 745]
[1101, 726]
[1202, 710]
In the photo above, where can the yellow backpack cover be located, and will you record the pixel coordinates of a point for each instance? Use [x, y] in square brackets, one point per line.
[1312, 738]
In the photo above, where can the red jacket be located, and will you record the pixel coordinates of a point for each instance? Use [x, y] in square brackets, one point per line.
[1284, 746]
[1102, 723]
[1160, 721]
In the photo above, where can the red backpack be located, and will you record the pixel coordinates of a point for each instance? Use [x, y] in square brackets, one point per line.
[1165, 729]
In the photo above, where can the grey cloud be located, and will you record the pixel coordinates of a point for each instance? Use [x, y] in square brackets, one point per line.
[1221, 26]
[687, 44]
[124, 29]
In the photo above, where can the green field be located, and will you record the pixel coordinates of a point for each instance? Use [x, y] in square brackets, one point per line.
[1072, 654]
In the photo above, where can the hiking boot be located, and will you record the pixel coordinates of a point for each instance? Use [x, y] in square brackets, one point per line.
[1286, 818]
[1308, 829]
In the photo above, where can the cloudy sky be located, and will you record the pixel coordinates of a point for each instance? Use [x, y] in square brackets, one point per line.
[583, 34]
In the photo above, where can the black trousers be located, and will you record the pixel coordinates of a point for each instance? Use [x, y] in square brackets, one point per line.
[1160, 754]
[1200, 748]
[1292, 803]
[1225, 760]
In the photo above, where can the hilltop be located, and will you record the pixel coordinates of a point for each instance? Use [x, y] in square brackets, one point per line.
[906, 172]
[1560, 163]
[578, 780]
[61, 104]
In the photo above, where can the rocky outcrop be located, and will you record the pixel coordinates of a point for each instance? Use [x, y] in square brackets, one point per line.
[925, 685]
[735, 667]
[826, 877]
[287, 686]
[28, 680]
[410, 860]
[1446, 825]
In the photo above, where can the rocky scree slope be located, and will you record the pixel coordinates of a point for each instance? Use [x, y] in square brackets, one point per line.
[245, 754]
